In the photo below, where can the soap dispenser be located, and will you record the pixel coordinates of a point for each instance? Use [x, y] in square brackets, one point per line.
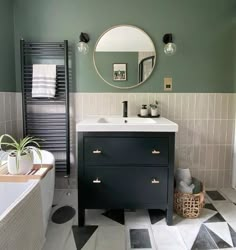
[144, 110]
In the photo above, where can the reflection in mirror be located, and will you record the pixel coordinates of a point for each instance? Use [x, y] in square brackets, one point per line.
[124, 56]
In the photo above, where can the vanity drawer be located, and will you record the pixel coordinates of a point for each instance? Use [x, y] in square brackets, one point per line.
[129, 187]
[125, 151]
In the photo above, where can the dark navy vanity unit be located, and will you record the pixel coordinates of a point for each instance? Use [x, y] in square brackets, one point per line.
[125, 170]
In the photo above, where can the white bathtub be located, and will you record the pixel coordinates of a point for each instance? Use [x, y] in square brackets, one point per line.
[12, 193]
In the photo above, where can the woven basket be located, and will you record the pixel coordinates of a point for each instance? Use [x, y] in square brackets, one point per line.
[189, 205]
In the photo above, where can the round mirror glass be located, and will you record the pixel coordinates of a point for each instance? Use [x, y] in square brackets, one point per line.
[124, 56]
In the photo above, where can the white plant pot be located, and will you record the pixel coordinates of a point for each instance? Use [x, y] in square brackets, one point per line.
[154, 112]
[25, 164]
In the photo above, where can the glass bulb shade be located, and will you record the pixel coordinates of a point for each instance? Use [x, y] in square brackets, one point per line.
[83, 47]
[170, 49]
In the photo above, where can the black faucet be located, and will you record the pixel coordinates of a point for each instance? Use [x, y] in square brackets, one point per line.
[125, 108]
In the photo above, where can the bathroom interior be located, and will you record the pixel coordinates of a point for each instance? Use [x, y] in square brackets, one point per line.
[124, 100]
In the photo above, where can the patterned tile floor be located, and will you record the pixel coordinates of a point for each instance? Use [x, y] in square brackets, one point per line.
[146, 229]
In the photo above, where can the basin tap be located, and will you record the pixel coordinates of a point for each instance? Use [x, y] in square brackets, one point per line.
[125, 108]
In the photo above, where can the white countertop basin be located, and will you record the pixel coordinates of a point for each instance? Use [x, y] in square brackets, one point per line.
[129, 124]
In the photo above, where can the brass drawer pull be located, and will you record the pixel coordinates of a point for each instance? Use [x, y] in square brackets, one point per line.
[155, 152]
[97, 181]
[155, 181]
[97, 151]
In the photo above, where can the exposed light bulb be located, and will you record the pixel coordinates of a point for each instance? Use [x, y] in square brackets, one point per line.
[83, 47]
[170, 49]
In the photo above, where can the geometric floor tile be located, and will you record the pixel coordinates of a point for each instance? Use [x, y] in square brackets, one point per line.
[216, 218]
[95, 217]
[204, 240]
[168, 237]
[156, 215]
[82, 235]
[110, 238]
[219, 242]
[229, 193]
[139, 238]
[189, 233]
[215, 195]
[137, 217]
[116, 215]
[210, 206]
[233, 235]
[227, 210]
[63, 214]
[222, 231]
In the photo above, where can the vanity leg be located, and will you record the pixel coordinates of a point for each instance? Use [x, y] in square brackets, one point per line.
[169, 216]
[81, 217]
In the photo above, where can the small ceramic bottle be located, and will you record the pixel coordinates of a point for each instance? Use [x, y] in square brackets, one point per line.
[144, 110]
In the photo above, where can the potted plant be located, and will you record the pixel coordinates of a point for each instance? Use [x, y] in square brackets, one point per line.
[20, 154]
[154, 108]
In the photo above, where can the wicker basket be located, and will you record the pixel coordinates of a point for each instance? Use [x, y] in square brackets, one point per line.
[189, 205]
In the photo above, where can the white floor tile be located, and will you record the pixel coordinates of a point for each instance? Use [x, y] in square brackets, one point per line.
[70, 243]
[168, 238]
[95, 217]
[57, 235]
[91, 243]
[140, 217]
[110, 238]
[227, 210]
[189, 233]
[230, 193]
[222, 230]
[204, 216]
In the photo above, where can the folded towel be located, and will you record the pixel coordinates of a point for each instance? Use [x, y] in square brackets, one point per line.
[44, 80]
[185, 188]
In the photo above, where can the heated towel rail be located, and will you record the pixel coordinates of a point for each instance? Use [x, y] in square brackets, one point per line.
[47, 118]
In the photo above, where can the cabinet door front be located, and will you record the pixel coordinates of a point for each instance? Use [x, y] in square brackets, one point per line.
[129, 187]
[115, 151]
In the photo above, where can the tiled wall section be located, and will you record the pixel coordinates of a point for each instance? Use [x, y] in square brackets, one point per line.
[10, 114]
[206, 122]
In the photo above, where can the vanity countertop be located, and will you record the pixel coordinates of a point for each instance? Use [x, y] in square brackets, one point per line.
[126, 124]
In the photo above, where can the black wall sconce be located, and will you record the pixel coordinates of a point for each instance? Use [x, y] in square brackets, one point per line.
[83, 43]
[170, 47]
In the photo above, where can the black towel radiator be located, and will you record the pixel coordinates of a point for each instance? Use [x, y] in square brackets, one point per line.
[52, 127]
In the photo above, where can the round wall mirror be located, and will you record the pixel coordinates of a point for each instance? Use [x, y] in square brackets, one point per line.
[124, 56]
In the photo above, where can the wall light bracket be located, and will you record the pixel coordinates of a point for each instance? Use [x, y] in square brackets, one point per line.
[83, 43]
[170, 47]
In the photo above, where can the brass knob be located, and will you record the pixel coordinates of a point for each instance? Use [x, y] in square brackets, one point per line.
[155, 152]
[97, 181]
[155, 181]
[97, 151]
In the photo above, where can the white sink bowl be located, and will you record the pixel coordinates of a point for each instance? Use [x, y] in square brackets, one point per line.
[129, 124]
[129, 120]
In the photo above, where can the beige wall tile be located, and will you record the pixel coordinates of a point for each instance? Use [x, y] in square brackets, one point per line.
[211, 106]
[224, 108]
[218, 106]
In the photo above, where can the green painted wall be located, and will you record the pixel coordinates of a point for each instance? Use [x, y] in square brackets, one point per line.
[202, 31]
[7, 60]
[104, 63]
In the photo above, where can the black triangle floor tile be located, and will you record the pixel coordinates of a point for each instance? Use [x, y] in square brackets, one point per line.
[219, 242]
[203, 240]
[82, 235]
[215, 195]
[233, 235]
[117, 215]
[156, 215]
[63, 214]
[215, 218]
[210, 206]
[139, 238]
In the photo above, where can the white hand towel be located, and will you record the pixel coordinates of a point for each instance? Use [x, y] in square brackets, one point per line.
[44, 80]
